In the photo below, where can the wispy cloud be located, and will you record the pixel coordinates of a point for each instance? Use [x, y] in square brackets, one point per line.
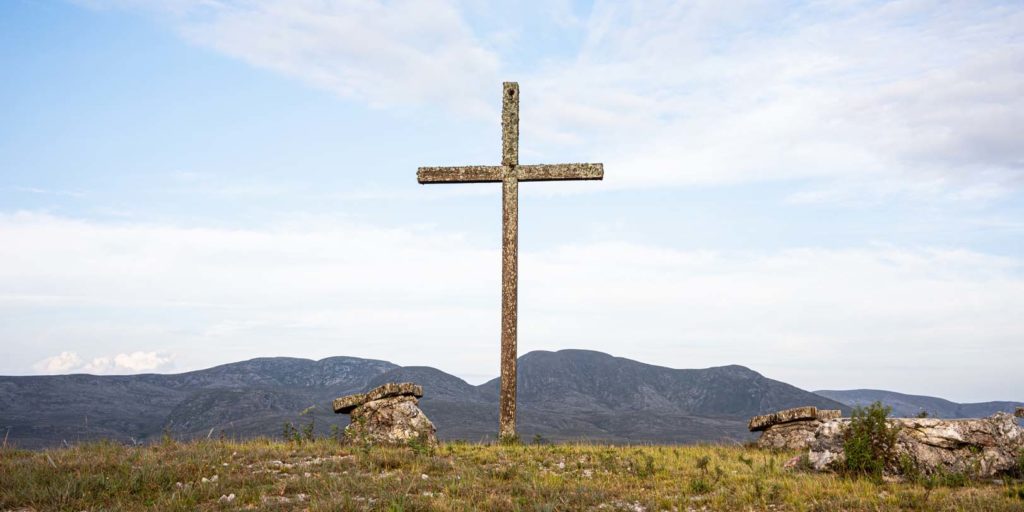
[386, 54]
[906, 98]
[48, 192]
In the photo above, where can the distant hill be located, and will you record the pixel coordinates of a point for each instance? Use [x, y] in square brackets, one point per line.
[911, 405]
[570, 394]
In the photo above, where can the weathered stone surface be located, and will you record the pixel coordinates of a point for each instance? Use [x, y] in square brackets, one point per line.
[758, 423]
[392, 420]
[829, 414]
[796, 435]
[983, 447]
[792, 429]
[347, 404]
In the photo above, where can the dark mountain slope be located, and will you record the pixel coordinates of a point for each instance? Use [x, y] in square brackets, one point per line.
[570, 394]
[581, 393]
[581, 377]
[911, 405]
[246, 398]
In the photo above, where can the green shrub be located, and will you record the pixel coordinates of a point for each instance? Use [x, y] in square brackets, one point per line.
[509, 440]
[870, 442]
[421, 445]
[1015, 491]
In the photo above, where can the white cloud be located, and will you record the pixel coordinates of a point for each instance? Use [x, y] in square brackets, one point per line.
[924, 99]
[60, 363]
[930, 320]
[384, 53]
[910, 98]
[135, 362]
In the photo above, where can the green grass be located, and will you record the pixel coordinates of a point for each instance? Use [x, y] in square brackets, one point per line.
[325, 475]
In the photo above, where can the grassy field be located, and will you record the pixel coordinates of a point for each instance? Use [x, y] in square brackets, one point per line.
[325, 475]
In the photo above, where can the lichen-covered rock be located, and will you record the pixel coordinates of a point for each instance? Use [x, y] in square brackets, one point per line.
[810, 413]
[346, 404]
[797, 435]
[758, 423]
[983, 447]
[391, 420]
[791, 429]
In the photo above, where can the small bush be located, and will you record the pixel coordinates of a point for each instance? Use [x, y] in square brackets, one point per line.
[421, 445]
[1015, 491]
[509, 440]
[700, 486]
[870, 442]
[643, 465]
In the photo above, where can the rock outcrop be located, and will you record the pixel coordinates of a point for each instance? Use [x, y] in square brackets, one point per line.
[791, 429]
[980, 447]
[1019, 412]
[388, 414]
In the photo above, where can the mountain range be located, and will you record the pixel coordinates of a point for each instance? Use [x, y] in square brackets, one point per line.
[908, 406]
[564, 395]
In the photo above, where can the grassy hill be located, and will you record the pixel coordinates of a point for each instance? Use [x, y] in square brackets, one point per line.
[325, 475]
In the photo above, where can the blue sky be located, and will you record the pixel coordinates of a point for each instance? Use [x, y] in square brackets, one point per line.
[827, 192]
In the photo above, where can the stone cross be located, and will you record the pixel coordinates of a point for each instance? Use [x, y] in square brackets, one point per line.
[509, 174]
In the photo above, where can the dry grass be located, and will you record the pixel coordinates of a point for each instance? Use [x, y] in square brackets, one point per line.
[324, 475]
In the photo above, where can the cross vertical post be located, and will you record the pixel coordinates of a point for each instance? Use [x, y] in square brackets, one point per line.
[509, 174]
[509, 257]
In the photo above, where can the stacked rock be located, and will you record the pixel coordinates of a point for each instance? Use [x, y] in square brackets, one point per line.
[387, 414]
[790, 429]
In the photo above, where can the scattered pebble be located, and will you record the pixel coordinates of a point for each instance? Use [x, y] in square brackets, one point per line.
[424, 476]
[227, 498]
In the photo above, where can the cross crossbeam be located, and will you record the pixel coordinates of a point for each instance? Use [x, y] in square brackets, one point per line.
[495, 173]
[509, 174]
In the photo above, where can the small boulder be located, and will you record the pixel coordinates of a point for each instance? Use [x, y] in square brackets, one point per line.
[790, 429]
[388, 414]
[1019, 412]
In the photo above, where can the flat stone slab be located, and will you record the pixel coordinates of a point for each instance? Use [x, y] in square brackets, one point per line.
[347, 404]
[829, 414]
[758, 423]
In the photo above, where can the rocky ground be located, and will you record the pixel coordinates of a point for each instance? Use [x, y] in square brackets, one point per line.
[326, 475]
